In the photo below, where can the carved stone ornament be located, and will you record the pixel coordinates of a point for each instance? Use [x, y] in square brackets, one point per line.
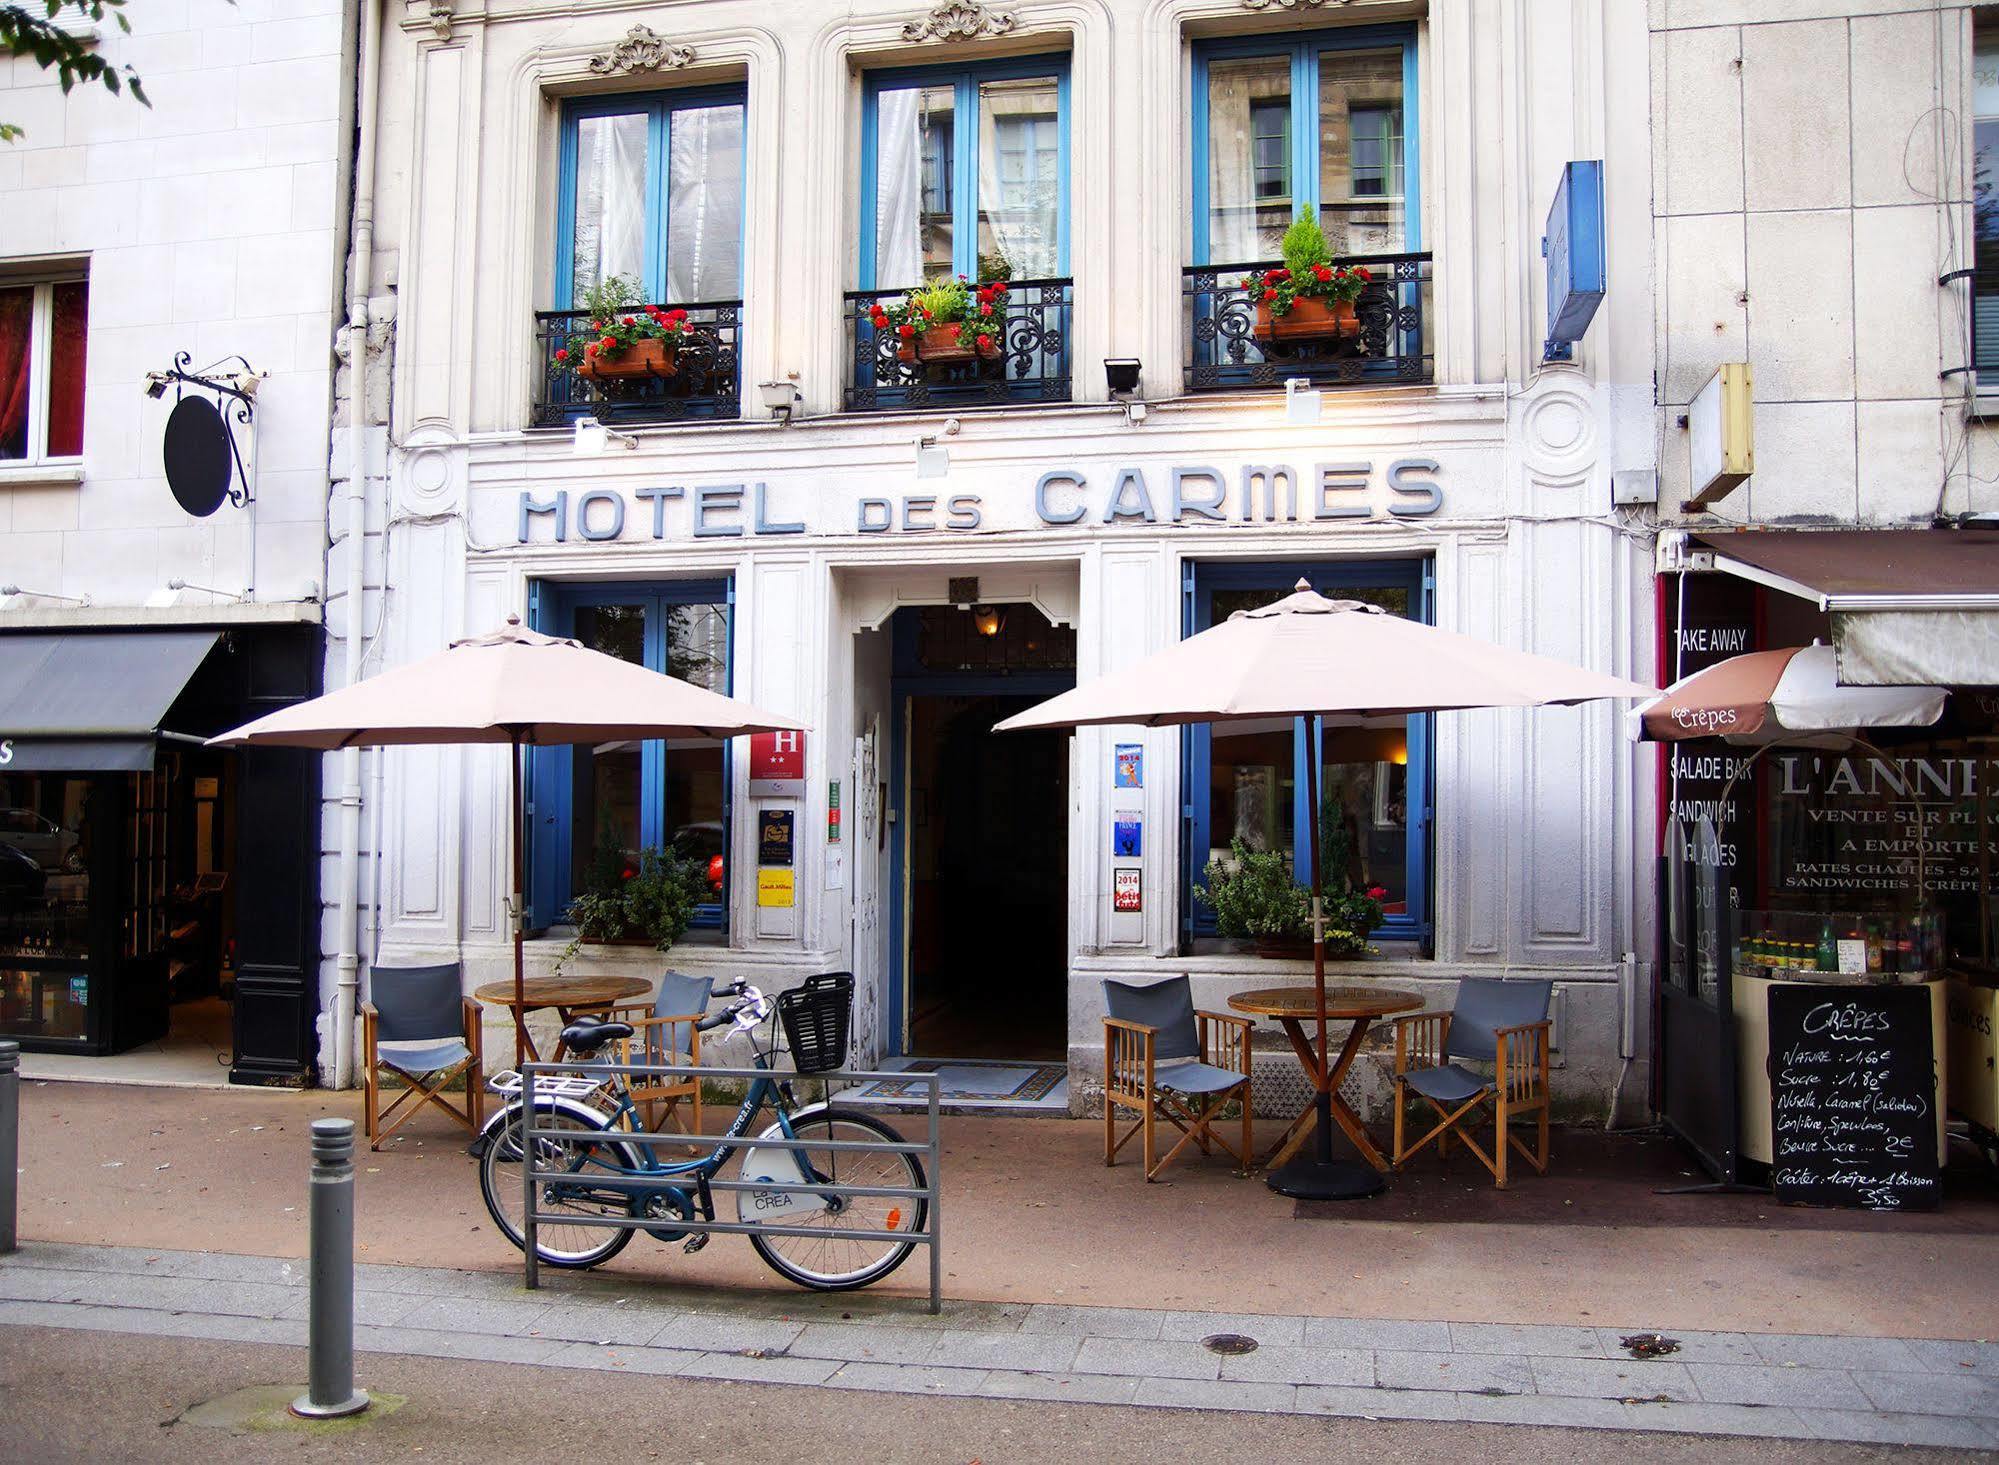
[440, 22]
[960, 20]
[641, 50]
[1291, 4]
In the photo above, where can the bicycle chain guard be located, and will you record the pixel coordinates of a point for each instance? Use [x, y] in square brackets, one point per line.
[669, 1201]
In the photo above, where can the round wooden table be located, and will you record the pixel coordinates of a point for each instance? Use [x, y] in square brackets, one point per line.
[571, 997]
[1294, 1007]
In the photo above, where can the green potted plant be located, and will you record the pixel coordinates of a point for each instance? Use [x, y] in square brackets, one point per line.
[1308, 297]
[624, 336]
[647, 899]
[945, 322]
[1255, 898]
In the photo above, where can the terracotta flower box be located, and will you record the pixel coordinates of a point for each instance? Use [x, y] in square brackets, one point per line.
[943, 345]
[1310, 318]
[649, 357]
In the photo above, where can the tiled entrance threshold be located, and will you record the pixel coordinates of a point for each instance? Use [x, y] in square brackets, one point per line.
[971, 1086]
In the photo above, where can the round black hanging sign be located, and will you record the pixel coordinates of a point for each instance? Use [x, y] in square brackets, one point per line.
[197, 456]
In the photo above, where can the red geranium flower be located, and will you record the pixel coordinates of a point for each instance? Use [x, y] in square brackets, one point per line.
[591, 349]
[561, 353]
[1270, 294]
[1377, 892]
[630, 321]
[905, 330]
[609, 342]
[1362, 271]
[1322, 272]
[999, 287]
[985, 310]
[676, 315]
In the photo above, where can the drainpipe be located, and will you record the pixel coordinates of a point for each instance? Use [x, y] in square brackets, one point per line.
[358, 282]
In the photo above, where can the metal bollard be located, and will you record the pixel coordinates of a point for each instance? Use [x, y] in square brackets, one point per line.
[10, 1139]
[330, 1391]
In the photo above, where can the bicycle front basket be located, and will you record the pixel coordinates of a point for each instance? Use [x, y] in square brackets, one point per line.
[816, 1017]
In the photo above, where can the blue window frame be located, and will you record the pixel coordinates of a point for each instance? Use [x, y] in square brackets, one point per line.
[616, 799]
[652, 187]
[965, 171]
[1249, 780]
[1348, 148]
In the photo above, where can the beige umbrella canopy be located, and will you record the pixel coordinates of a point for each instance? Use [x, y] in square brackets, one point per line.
[1341, 661]
[1307, 655]
[517, 687]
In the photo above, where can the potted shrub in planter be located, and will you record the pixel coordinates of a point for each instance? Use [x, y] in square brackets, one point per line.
[644, 900]
[1254, 898]
[1308, 297]
[624, 336]
[946, 323]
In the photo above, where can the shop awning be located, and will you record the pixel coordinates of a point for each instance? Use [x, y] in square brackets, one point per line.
[91, 702]
[1908, 606]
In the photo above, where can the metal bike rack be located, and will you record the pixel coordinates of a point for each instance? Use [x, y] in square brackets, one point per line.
[567, 1079]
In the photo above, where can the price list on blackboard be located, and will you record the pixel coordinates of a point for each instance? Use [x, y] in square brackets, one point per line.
[1853, 1092]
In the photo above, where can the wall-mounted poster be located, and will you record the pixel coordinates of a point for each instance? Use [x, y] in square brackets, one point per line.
[1127, 888]
[1130, 765]
[774, 836]
[776, 888]
[1126, 837]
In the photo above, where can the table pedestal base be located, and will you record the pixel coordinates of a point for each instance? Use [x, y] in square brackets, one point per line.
[1307, 1178]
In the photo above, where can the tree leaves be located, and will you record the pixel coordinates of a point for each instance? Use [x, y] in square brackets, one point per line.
[37, 29]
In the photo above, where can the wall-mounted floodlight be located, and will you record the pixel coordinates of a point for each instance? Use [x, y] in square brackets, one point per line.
[1301, 400]
[780, 398]
[593, 438]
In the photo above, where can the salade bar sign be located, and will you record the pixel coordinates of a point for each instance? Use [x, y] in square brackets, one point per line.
[1257, 493]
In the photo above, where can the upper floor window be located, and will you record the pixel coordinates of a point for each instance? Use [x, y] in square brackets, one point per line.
[652, 191]
[1985, 204]
[1322, 119]
[965, 172]
[43, 326]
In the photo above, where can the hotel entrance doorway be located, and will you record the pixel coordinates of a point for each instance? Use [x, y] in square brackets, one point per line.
[983, 842]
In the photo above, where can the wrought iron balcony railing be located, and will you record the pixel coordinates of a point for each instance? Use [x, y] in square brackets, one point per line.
[1229, 348]
[1030, 361]
[705, 381]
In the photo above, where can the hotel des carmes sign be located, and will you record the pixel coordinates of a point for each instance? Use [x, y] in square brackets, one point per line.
[1063, 498]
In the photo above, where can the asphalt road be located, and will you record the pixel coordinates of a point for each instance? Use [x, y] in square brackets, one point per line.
[72, 1395]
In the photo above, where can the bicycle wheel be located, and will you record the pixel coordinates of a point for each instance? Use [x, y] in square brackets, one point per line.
[829, 1260]
[557, 1243]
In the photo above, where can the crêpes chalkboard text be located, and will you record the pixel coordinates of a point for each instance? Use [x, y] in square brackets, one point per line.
[1853, 1092]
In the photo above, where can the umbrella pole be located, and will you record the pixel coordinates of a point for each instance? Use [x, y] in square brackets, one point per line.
[1321, 1177]
[518, 914]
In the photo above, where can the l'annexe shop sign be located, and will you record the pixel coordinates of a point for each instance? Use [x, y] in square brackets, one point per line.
[1063, 497]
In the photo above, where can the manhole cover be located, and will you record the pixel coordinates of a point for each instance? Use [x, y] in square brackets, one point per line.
[1229, 1343]
[1650, 1345]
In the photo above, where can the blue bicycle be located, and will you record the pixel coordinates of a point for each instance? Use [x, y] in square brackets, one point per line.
[598, 1109]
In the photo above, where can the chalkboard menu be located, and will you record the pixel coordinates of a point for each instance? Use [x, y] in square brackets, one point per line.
[1853, 1092]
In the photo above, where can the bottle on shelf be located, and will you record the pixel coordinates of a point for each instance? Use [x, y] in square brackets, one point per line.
[1825, 957]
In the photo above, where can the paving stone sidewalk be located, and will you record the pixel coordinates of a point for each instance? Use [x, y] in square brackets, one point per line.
[1890, 1390]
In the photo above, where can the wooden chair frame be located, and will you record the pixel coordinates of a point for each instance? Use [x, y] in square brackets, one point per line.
[1519, 1086]
[659, 1102]
[425, 1089]
[1129, 1067]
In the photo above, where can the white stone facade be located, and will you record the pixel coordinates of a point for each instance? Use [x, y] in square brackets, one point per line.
[211, 223]
[1539, 818]
[1812, 185]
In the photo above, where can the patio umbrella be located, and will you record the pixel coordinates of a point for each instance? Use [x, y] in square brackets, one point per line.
[1338, 661]
[1772, 696]
[517, 687]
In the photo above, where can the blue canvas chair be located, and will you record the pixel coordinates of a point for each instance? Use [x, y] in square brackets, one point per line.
[665, 1033]
[1497, 1022]
[419, 1025]
[1164, 1059]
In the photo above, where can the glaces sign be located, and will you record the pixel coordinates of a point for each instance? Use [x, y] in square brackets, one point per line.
[1256, 493]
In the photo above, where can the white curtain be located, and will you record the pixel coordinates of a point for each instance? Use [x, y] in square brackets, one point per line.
[1232, 234]
[1026, 229]
[898, 189]
[704, 204]
[610, 230]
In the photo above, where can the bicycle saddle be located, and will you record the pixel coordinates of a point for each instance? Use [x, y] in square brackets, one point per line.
[587, 1035]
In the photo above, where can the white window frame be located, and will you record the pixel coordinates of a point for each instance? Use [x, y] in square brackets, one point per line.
[37, 464]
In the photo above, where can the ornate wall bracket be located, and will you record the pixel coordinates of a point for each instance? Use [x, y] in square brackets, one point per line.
[959, 20]
[1291, 4]
[642, 50]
